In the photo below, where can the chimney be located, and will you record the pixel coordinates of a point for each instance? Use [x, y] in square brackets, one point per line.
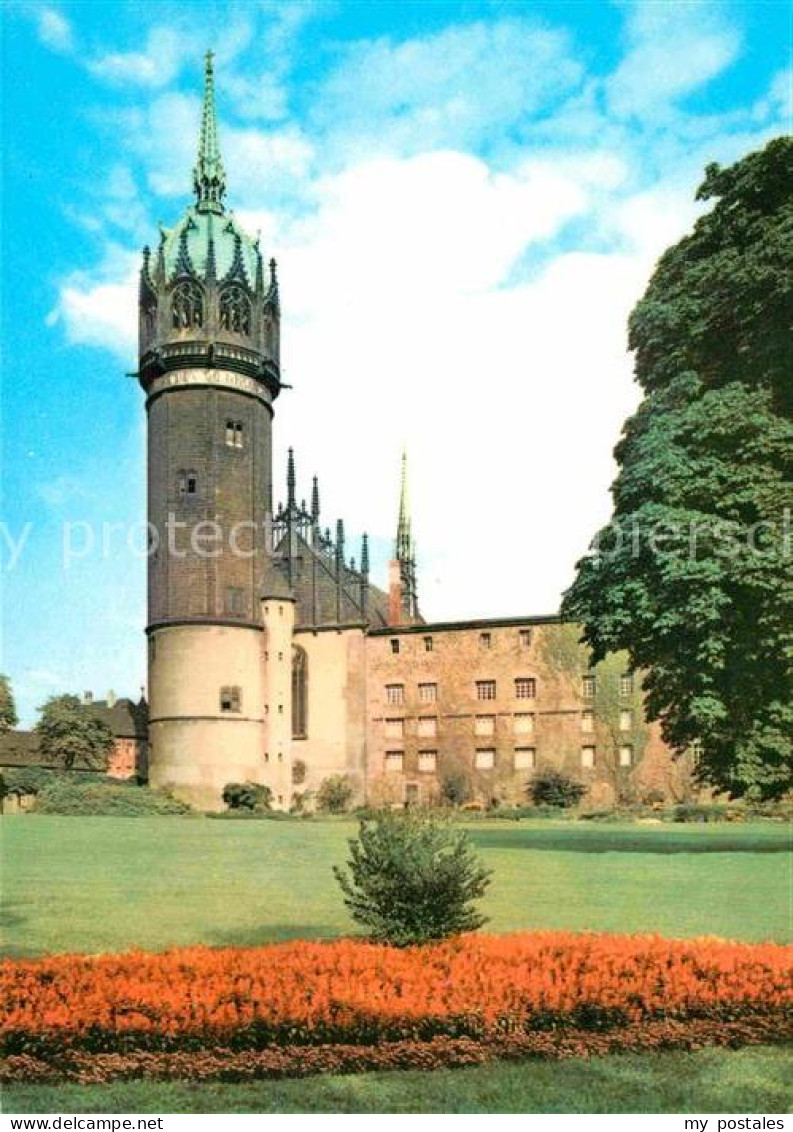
[394, 593]
[88, 698]
[111, 698]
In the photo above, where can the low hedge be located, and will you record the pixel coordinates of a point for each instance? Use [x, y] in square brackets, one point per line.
[71, 796]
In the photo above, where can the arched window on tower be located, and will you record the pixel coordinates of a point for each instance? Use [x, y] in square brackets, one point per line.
[235, 310]
[299, 693]
[187, 306]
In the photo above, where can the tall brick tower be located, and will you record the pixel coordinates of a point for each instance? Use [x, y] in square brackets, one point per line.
[209, 366]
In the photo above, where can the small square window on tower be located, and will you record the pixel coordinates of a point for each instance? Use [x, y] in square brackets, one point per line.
[234, 434]
[231, 699]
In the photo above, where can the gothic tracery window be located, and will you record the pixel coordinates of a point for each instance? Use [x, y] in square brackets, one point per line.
[187, 306]
[299, 693]
[235, 310]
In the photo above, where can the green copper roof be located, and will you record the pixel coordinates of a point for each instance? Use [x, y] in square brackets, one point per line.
[186, 247]
[209, 176]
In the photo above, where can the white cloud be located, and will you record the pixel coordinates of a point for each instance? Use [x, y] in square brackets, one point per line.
[166, 52]
[100, 309]
[673, 49]
[54, 30]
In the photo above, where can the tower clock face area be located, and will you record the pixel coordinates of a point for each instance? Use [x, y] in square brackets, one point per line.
[210, 453]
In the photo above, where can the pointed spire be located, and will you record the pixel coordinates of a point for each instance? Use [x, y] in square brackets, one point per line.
[209, 176]
[290, 480]
[365, 554]
[315, 501]
[273, 293]
[340, 541]
[404, 539]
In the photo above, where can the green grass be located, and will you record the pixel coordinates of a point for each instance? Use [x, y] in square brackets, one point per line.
[106, 884]
[709, 1080]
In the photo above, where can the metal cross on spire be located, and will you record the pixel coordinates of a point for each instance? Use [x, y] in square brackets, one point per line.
[209, 176]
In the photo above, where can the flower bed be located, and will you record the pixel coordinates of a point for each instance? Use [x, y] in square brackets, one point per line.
[532, 991]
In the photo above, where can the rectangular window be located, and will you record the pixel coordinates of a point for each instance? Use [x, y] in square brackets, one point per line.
[235, 600]
[588, 721]
[523, 723]
[234, 434]
[428, 644]
[395, 645]
[626, 684]
[485, 640]
[485, 725]
[626, 721]
[485, 759]
[394, 728]
[428, 693]
[427, 727]
[395, 693]
[524, 636]
[587, 757]
[485, 689]
[394, 761]
[525, 758]
[428, 761]
[626, 756]
[525, 688]
[588, 687]
[231, 699]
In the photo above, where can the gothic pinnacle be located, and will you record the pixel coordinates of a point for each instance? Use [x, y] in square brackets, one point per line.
[290, 479]
[209, 176]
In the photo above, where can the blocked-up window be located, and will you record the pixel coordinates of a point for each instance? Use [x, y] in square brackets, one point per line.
[428, 761]
[523, 723]
[485, 725]
[427, 727]
[394, 761]
[394, 728]
[525, 758]
[587, 721]
[626, 721]
[626, 756]
[587, 757]
[485, 759]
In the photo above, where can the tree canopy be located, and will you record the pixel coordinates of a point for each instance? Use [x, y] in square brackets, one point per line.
[71, 735]
[694, 575]
[8, 710]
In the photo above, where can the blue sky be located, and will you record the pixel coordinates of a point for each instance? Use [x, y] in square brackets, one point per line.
[465, 199]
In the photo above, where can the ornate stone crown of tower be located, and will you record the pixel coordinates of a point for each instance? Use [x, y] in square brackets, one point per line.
[209, 365]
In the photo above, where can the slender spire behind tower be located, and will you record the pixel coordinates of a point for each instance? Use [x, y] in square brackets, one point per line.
[404, 540]
[405, 551]
[209, 176]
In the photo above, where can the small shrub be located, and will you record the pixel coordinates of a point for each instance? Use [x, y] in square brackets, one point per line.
[299, 771]
[335, 794]
[553, 788]
[71, 796]
[455, 783]
[691, 812]
[24, 780]
[412, 880]
[250, 796]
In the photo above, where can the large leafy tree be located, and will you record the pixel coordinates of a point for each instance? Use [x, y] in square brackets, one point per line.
[8, 710]
[70, 735]
[694, 576]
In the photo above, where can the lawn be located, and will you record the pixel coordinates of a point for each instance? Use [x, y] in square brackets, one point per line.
[709, 1080]
[108, 884]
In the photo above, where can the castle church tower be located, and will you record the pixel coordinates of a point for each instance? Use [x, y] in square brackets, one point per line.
[209, 366]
